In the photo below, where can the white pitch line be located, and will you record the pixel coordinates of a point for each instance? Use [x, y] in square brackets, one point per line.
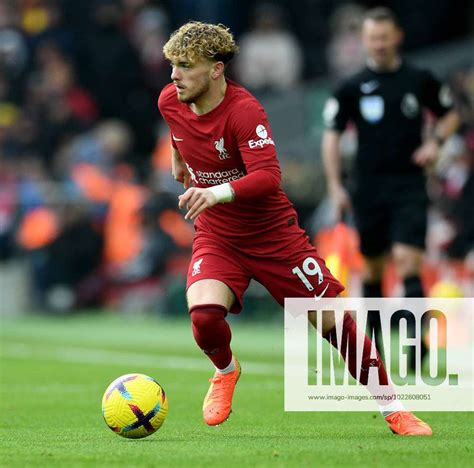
[107, 358]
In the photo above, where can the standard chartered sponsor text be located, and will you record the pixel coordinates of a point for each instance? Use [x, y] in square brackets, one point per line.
[218, 177]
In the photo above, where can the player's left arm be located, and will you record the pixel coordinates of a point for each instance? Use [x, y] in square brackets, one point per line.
[257, 149]
[197, 200]
[437, 97]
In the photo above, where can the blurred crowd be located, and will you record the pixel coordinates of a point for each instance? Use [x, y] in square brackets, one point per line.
[452, 182]
[86, 196]
[79, 198]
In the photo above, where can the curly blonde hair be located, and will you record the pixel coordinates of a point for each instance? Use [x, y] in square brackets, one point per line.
[196, 40]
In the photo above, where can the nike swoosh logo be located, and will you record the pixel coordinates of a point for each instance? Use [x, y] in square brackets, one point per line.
[177, 139]
[369, 86]
[319, 296]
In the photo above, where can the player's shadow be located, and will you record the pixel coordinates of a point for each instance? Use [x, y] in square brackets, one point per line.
[156, 440]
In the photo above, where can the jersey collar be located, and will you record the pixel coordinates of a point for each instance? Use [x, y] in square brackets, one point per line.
[373, 67]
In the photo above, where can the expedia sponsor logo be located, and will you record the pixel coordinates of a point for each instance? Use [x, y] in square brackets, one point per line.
[261, 131]
[261, 143]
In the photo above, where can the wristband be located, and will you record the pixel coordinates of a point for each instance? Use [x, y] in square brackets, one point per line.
[224, 193]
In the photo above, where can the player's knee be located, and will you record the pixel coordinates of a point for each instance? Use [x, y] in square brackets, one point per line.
[205, 316]
[210, 329]
[373, 269]
[210, 291]
[407, 260]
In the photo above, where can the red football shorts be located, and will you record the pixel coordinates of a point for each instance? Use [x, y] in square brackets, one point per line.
[286, 269]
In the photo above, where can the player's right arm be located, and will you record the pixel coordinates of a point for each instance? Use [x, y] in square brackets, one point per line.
[332, 168]
[178, 168]
[437, 97]
[165, 104]
[335, 116]
[256, 147]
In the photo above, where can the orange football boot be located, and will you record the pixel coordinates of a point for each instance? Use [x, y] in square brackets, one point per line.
[217, 405]
[406, 423]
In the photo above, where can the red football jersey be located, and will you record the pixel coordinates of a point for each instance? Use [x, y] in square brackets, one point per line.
[224, 145]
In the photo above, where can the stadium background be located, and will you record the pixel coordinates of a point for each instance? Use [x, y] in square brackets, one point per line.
[88, 214]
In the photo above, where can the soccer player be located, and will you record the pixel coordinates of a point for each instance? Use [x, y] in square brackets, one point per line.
[246, 228]
[386, 103]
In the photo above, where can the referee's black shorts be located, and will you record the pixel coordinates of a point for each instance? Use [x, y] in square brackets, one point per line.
[390, 211]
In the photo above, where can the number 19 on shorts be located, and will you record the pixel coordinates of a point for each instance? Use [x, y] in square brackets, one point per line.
[310, 267]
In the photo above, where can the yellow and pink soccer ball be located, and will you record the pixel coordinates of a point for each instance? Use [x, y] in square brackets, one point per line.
[134, 406]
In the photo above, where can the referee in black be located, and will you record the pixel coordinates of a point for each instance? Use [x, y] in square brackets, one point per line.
[386, 102]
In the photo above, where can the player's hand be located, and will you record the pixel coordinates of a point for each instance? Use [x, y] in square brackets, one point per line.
[180, 172]
[340, 200]
[196, 200]
[427, 153]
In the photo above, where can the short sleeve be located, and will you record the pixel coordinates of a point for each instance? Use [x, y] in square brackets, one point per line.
[436, 96]
[336, 113]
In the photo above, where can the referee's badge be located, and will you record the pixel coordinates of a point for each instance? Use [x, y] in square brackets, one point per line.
[372, 108]
[410, 106]
[331, 109]
[445, 96]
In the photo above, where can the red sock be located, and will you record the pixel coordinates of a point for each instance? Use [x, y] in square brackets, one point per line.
[349, 337]
[212, 332]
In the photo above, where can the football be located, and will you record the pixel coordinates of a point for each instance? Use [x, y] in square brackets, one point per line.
[134, 406]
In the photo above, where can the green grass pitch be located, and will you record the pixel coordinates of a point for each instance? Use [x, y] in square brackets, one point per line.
[53, 372]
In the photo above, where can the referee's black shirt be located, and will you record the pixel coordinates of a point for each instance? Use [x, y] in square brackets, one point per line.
[387, 108]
